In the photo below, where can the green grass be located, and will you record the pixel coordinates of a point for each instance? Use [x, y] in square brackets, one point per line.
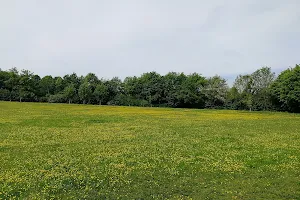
[55, 151]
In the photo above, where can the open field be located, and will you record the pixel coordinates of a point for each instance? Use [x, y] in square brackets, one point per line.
[100, 152]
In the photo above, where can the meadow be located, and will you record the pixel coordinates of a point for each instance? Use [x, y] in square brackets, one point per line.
[60, 151]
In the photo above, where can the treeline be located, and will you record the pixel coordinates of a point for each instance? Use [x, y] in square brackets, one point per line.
[260, 90]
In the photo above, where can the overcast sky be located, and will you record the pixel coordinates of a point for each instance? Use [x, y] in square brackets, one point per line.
[129, 37]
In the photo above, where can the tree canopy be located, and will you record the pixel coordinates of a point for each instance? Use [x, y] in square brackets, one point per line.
[260, 90]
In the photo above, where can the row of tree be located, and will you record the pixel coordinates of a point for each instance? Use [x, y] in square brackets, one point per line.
[260, 90]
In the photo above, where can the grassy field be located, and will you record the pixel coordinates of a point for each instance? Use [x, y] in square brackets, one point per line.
[55, 151]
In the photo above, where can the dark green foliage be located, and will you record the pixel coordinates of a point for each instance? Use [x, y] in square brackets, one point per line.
[85, 92]
[172, 85]
[262, 80]
[70, 92]
[27, 86]
[59, 84]
[4, 94]
[189, 94]
[286, 90]
[114, 87]
[47, 85]
[72, 79]
[257, 91]
[242, 87]
[151, 87]
[101, 93]
[12, 83]
[252, 91]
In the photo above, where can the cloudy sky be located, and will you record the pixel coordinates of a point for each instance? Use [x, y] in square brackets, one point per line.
[129, 37]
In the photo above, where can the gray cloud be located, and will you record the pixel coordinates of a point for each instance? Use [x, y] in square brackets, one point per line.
[125, 38]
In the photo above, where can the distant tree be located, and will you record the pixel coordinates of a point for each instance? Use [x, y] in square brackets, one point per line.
[172, 85]
[72, 79]
[256, 91]
[286, 90]
[26, 86]
[261, 82]
[59, 85]
[36, 79]
[101, 93]
[4, 76]
[85, 92]
[243, 85]
[189, 94]
[151, 87]
[4, 92]
[233, 100]
[47, 85]
[215, 91]
[12, 83]
[132, 87]
[114, 87]
[92, 79]
[70, 92]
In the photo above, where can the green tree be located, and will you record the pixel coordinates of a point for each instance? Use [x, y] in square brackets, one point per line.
[92, 79]
[47, 85]
[115, 87]
[189, 94]
[261, 82]
[59, 84]
[286, 90]
[4, 92]
[215, 91]
[85, 92]
[72, 79]
[4, 76]
[101, 93]
[132, 87]
[70, 92]
[233, 100]
[243, 85]
[172, 84]
[26, 86]
[12, 83]
[36, 79]
[151, 87]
